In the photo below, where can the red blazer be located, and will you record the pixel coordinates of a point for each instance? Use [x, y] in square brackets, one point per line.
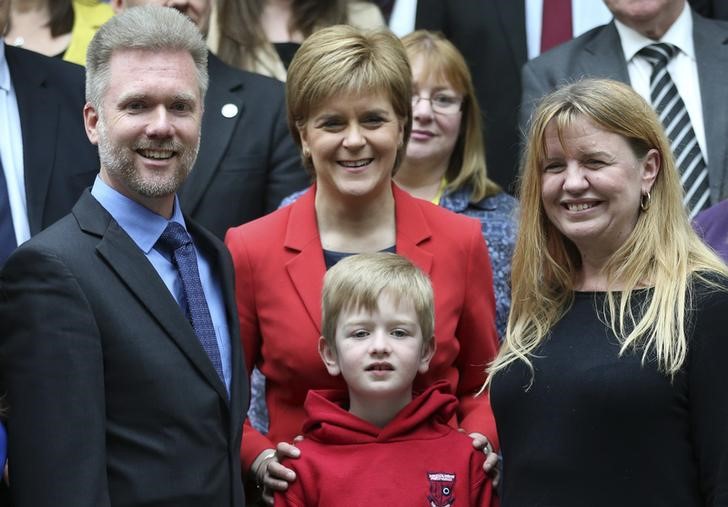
[279, 270]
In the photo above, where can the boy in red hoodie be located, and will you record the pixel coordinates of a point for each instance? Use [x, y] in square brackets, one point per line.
[377, 444]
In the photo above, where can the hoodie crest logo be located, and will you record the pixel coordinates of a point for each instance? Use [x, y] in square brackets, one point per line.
[442, 489]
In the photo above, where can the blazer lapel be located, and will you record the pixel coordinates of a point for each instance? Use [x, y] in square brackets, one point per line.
[140, 277]
[413, 230]
[711, 52]
[223, 111]
[38, 122]
[307, 267]
[604, 57]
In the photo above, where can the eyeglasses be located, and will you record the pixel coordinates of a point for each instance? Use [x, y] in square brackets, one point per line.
[440, 103]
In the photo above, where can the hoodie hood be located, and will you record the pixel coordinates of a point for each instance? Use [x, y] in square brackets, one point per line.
[327, 419]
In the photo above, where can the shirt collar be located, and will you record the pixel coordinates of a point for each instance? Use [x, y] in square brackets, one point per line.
[679, 34]
[141, 224]
[4, 70]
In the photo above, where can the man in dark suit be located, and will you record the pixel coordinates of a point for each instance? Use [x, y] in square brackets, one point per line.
[120, 352]
[602, 52]
[247, 161]
[45, 156]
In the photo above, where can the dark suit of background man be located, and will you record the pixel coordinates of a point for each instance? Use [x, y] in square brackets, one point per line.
[600, 53]
[714, 9]
[115, 397]
[247, 161]
[45, 157]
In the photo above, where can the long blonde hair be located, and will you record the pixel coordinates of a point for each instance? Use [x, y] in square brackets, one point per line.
[467, 162]
[662, 252]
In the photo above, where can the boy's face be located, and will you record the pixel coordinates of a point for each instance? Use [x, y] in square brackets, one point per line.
[380, 353]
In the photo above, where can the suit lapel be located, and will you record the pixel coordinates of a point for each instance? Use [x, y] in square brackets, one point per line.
[711, 52]
[139, 276]
[307, 267]
[39, 123]
[413, 231]
[604, 57]
[217, 130]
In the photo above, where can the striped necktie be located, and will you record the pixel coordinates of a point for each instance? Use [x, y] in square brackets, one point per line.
[674, 116]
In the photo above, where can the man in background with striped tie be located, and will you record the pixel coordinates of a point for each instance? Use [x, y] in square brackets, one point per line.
[678, 61]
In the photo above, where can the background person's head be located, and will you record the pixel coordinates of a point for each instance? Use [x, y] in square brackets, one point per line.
[197, 10]
[454, 135]
[651, 18]
[343, 61]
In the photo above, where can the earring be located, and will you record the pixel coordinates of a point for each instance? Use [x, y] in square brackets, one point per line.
[306, 153]
[645, 201]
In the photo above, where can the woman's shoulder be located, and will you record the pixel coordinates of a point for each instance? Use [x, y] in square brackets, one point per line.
[365, 15]
[436, 216]
[272, 226]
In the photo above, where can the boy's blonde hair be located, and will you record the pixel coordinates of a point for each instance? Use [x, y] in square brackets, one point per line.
[356, 282]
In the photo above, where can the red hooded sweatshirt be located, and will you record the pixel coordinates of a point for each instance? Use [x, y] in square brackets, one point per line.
[415, 460]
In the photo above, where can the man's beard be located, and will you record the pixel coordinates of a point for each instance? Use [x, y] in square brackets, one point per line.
[118, 161]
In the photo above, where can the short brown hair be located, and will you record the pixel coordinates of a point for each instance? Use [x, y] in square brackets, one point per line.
[358, 281]
[344, 59]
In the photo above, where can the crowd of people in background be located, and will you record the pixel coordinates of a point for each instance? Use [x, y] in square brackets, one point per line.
[346, 252]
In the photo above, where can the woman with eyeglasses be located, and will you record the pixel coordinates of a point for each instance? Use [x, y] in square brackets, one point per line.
[445, 158]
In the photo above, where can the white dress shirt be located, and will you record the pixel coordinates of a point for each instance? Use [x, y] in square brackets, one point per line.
[11, 151]
[683, 68]
[402, 20]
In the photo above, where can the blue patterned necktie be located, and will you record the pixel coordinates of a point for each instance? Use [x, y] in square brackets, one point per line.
[674, 116]
[7, 232]
[175, 241]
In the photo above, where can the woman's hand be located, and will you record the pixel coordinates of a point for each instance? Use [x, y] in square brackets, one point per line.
[480, 442]
[270, 475]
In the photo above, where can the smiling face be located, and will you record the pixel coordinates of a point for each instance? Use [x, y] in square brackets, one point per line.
[353, 141]
[592, 185]
[148, 127]
[434, 134]
[378, 353]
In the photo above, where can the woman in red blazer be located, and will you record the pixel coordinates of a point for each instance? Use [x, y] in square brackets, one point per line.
[349, 107]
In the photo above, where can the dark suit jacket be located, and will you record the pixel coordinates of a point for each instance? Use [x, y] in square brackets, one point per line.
[247, 163]
[59, 161]
[112, 400]
[715, 9]
[279, 268]
[491, 34]
[598, 53]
